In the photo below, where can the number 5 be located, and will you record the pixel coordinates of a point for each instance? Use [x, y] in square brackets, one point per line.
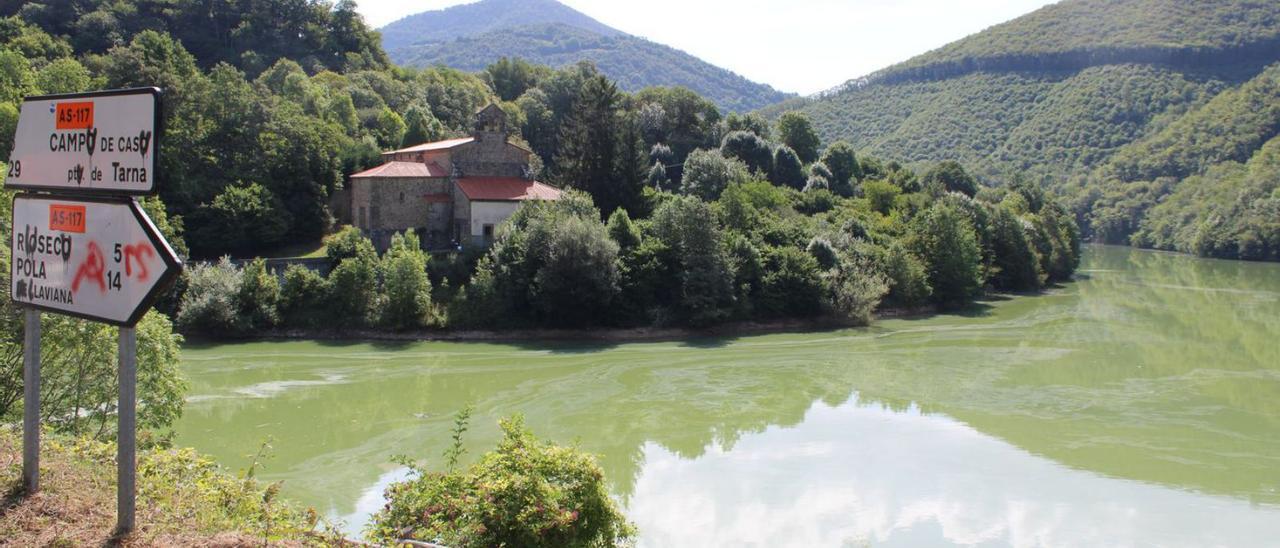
[117, 253]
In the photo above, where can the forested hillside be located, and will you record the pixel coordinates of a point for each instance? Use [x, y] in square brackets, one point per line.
[1111, 103]
[634, 63]
[472, 36]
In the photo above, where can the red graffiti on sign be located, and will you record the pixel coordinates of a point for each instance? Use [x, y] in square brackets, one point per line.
[134, 253]
[92, 269]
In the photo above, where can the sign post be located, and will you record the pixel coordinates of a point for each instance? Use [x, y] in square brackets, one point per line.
[31, 402]
[82, 245]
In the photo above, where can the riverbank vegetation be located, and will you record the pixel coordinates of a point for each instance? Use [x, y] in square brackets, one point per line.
[756, 251]
[525, 492]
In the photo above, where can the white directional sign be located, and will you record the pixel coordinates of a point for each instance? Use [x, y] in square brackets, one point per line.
[101, 142]
[97, 259]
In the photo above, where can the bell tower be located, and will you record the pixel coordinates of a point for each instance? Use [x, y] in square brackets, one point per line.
[490, 124]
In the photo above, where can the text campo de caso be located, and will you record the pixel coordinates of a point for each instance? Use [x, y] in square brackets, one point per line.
[89, 142]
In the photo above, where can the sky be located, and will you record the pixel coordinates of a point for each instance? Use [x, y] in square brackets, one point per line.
[802, 46]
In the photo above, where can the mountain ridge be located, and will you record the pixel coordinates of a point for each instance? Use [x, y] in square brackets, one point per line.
[1070, 94]
[481, 17]
[558, 37]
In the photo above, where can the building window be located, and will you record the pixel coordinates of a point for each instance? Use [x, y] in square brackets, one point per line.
[488, 233]
[402, 197]
[375, 219]
[363, 221]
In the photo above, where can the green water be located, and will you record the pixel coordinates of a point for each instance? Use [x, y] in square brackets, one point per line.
[1138, 405]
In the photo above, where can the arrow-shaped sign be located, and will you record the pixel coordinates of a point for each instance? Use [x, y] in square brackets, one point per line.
[97, 259]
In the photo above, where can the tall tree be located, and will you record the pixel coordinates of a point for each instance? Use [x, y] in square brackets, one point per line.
[843, 163]
[795, 131]
[600, 149]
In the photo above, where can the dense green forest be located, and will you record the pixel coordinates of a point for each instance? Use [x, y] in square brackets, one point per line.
[676, 215]
[1110, 105]
[472, 36]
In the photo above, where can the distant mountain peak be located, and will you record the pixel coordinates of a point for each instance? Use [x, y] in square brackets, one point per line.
[481, 17]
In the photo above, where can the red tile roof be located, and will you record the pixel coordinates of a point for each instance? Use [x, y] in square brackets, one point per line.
[404, 169]
[438, 145]
[506, 189]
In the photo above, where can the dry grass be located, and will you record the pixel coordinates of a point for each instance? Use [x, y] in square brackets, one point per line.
[185, 501]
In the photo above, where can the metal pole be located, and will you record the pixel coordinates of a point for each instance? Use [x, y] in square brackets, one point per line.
[126, 438]
[31, 402]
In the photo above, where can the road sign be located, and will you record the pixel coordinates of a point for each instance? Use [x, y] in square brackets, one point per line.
[99, 259]
[103, 142]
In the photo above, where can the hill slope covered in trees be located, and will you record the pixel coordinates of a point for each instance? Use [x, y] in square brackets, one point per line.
[547, 32]
[1115, 104]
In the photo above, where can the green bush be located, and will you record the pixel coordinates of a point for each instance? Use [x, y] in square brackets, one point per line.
[304, 297]
[408, 290]
[346, 243]
[906, 275]
[524, 493]
[748, 148]
[845, 170]
[353, 291]
[210, 304]
[258, 299]
[707, 174]
[854, 289]
[791, 285]
[578, 277]
[881, 195]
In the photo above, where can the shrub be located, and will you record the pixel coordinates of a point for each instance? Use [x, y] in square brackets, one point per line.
[814, 201]
[78, 367]
[950, 176]
[787, 169]
[578, 277]
[748, 148]
[791, 285]
[303, 297]
[840, 159]
[854, 290]
[822, 250]
[353, 291]
[523, 493]
[408, 290]
[210, 303]
[707, 173]
[258, 298]
[622, 230]
[906, 275]
[346, 243]
[552, 262]
[881, 195]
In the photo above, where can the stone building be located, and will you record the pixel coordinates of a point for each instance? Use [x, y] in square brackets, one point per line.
[451, 192]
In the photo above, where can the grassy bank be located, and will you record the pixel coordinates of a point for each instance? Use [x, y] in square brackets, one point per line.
[184, 499]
